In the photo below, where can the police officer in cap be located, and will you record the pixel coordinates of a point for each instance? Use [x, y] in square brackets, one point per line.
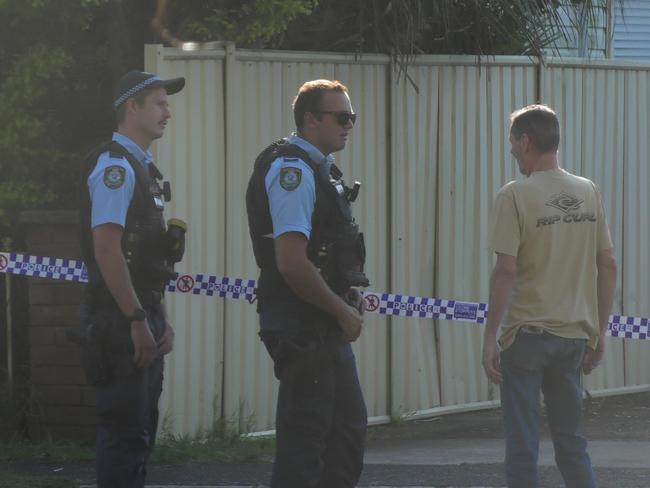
[127, 251]
[311, 256]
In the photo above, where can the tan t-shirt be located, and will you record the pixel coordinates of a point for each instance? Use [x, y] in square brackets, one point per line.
[554, 223]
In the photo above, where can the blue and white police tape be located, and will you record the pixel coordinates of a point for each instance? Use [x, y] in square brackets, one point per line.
[224, 287]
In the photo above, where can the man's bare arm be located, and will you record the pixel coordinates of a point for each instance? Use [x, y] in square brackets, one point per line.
[606, 286]
[501, 284]
[107, 242]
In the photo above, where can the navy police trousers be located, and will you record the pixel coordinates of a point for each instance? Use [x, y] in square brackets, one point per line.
[321, 416]
[127, 407]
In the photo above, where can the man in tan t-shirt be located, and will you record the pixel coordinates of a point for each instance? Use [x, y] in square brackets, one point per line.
[551, 290]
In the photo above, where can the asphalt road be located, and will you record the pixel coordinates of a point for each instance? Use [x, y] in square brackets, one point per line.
[459, 450]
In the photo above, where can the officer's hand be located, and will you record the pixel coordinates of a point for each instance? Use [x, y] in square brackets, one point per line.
[353, 297]
[166, 342]
[143, 343]
[351, 322]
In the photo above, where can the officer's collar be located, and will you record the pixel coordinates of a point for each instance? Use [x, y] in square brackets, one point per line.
[312, 151]
[143, 157]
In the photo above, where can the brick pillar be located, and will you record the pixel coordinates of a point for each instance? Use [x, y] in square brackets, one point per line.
[61, 405]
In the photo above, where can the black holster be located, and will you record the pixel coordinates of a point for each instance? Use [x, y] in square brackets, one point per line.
[300, 353]
[345, 261]
[92, 338]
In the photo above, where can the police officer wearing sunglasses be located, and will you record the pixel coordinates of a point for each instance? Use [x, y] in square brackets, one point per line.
[311, 256]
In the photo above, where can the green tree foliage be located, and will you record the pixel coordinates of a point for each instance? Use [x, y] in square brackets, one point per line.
[259, 23]
[401, 27]
[59, 60]
[26, 146]
[408, 27]
[58, 63]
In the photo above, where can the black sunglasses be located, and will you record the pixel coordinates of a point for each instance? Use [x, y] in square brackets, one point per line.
[342, 118]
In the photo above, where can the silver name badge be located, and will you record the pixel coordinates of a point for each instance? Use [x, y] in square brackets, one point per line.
[159, 203]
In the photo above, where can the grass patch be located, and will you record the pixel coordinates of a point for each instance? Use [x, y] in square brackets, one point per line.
[13, 480]
[210, 447]
[169, 449]
[46, 452]
[222, 443]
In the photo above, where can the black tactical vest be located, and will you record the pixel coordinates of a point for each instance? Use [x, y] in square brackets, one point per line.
[335, 244]
[144, 241]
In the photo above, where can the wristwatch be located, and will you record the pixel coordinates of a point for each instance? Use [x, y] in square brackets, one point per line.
[137, 315]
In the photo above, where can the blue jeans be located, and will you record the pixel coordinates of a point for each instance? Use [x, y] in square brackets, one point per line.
[542, 361]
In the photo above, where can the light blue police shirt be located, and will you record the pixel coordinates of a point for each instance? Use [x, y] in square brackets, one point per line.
[291, 188]
[112, 182]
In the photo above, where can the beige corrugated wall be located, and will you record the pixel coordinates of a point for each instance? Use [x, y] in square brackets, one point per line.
[414, 121]
[192, 157]
[431, 153]
[473, 165]
[636, 222]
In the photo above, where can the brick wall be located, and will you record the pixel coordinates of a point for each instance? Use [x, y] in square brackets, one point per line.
[61, 405]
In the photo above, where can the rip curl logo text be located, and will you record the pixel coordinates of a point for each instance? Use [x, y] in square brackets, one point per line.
[567, 219]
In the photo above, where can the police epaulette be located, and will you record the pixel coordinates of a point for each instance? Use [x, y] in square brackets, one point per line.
[115, 155]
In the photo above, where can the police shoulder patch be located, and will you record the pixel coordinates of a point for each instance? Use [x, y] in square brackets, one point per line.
[114, 177]
[290, 178]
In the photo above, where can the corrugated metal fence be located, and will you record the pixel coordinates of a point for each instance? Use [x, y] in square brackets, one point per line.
[431, 154]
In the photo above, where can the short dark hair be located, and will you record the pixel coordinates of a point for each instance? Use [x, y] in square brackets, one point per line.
[540, 124]
[310, 96]
[120, 113]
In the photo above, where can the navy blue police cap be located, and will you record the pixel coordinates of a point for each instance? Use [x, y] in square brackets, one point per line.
[135, 81]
